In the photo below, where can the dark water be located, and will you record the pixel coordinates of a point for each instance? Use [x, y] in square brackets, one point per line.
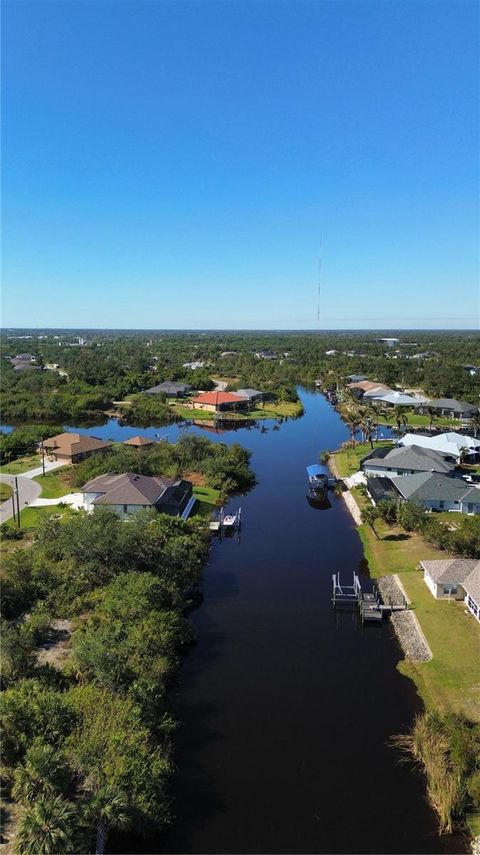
[286, 708]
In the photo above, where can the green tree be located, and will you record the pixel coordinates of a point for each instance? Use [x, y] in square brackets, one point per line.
[47, 827]
[43, 773]
[369, 517]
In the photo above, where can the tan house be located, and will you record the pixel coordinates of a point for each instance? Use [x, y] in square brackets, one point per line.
[74, 447]
[216, 402]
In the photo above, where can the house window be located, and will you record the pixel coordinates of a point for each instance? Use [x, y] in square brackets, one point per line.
[125, 509]
[473, 607]
[441, 504]
[450, 589]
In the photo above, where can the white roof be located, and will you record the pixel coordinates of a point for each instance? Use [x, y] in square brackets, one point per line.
[401, 398]
[448, 443]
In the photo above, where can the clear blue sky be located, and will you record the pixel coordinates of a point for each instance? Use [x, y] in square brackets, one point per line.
[177, 164]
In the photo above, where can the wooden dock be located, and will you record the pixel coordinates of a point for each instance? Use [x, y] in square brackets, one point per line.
[369, 604]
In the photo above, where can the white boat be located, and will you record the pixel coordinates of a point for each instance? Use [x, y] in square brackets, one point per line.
[232, 520]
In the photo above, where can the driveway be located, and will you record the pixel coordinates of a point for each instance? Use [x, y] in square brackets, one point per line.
[50, 465]
[28, 491]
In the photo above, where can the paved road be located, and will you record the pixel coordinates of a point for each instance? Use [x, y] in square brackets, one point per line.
[28, 491]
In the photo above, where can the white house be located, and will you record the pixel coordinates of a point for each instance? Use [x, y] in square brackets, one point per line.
[450, 443]
[455, 578]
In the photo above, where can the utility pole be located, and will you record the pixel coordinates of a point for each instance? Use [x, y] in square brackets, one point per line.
[14, 508]
[43, 455]
[18, 501]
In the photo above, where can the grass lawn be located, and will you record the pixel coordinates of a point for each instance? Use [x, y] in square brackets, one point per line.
[207, 499]
[450, 682]
[23, 464]
[348, 460]
[281, 409]
[418, 420]
[30, 517]
[5, 492]
[55, 484]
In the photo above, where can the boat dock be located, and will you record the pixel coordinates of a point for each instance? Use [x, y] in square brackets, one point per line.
[226, 522]
[370, 605]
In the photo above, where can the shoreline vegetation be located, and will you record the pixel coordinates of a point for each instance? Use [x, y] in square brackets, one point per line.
[95, 621]
[445, 739]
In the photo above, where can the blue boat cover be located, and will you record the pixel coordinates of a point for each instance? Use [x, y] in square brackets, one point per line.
[314, 470]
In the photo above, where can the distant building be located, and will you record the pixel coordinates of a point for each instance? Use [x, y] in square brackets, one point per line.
[170, 389]
[431, 491]
[250, 395]
[25, 357]
[455, 445]
[194, 366]
[453, 408]
[215, 402]
[128, 493]
[74, 447]
[140, 442]
[389, 341]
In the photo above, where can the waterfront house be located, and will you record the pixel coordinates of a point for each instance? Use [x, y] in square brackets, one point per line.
[435, 492]
[355, 378]
[74, 447]
[455, 578]
[140, 442]
[25, 357]
[455, 445]
[216, 402]
[170, 389]
[128, 492]
[397, 399]
[406, 461]
[452, 408]
[250, 395]
[362, 386]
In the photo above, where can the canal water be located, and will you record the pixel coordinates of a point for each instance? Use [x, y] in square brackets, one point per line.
[286, 708]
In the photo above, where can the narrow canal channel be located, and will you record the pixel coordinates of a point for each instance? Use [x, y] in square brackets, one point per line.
[285, 709]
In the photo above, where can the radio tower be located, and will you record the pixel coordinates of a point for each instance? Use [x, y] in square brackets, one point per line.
[319, 280]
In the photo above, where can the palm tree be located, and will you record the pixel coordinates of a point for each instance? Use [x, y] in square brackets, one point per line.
[475, 422]
[353, 423]
[43, 773]
[107, 809]
[432, 415]
[47, 827]
[401, 417]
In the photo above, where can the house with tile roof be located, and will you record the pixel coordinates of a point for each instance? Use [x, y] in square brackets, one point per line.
[455, 578]
[216, 402]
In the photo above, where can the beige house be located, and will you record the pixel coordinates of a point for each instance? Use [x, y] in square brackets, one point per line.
[74, 447]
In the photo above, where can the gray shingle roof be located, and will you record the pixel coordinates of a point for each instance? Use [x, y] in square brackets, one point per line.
[412, 457]
[461, 571]
[432, 485]
[452, 404]
[248, 393]
[128, 489]
[168, 387]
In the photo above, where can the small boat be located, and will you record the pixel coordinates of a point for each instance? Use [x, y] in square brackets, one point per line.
[231, 521]
[317, 480]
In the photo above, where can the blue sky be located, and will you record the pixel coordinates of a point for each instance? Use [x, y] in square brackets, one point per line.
[183, 164]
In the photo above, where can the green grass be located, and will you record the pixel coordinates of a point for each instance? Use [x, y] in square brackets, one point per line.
[30, 517]
[207, 499]
[269, 411]
[23, 464]
[55, 484]
[348, 460]
[450, 682]
[5, 492]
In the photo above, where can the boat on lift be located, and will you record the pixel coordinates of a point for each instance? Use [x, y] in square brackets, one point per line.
[232, 521]
[317, 481]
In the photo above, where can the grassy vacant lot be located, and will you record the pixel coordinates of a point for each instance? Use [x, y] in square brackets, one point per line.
[451, 680]
[23, 464]
[418, 420]
[5, 492]
[207, 499]
[55, 484]
[30, 517]
[348, 460]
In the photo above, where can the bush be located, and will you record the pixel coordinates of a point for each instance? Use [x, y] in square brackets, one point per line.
[8, 532]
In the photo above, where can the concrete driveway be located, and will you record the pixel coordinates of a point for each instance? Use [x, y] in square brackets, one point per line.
[28, 491]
